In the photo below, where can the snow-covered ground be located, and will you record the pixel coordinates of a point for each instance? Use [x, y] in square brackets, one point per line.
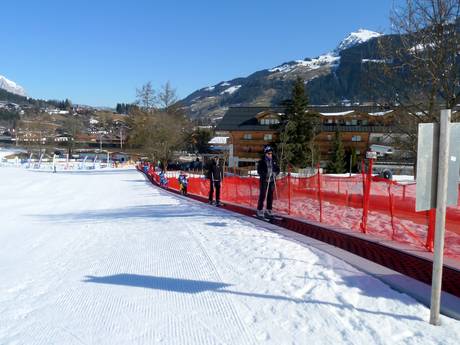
[106, 258]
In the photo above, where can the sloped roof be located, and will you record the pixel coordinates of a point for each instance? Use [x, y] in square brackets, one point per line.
[244, 119]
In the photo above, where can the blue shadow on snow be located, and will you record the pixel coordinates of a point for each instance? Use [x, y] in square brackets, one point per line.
[197, 286]
[157, 283]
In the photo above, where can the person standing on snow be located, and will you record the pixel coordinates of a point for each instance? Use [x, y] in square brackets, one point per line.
[215, 176]
[267, 168]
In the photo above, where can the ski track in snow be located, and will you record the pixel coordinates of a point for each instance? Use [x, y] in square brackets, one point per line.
[109, 259]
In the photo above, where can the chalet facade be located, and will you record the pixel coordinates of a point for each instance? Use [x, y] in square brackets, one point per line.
[250, 128]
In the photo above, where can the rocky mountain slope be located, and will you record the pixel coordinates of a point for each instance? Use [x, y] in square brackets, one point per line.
[334, 77]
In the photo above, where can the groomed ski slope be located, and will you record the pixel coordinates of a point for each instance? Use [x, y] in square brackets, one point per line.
[106, 258]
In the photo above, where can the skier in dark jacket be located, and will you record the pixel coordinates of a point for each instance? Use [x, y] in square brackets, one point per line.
[267, 168]
[215, 176]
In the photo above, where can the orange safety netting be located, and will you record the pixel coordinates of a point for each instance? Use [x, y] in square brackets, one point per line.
[361, 203]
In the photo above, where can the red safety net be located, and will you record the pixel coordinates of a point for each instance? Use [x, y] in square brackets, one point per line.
[361, 203]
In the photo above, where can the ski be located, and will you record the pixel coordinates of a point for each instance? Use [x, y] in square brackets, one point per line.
[216, 205]
[268, 219]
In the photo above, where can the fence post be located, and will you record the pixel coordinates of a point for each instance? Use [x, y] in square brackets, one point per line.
[236, 189]
[250, 190]
[320, 196]
[390, 196]
[431, 226]
[289, 190]
[367, 189]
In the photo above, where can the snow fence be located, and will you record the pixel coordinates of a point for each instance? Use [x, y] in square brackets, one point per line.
[362, 203]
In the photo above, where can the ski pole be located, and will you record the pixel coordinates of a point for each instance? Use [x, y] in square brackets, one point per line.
[268, 186]
[276, 188]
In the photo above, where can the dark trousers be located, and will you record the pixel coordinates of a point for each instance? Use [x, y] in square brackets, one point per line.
[263, 185]
[216, 185]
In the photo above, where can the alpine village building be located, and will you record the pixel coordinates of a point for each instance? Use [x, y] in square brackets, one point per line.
[248, 129]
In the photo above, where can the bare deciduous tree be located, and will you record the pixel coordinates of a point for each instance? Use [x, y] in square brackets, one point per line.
[167, 96]
[146, 97]
[159, 128]
[422, 64]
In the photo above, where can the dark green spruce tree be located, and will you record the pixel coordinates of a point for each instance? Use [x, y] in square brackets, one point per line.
[337, 164]
[297, 130]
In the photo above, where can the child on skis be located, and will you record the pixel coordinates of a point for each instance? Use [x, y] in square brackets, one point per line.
[183, 183]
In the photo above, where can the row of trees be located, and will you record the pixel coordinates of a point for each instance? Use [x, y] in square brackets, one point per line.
[125, 108]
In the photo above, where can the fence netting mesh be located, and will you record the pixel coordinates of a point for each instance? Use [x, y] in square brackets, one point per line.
[362, 203]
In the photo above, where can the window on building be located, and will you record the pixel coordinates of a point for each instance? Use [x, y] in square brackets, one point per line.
[269, 121]
[268, 137]
[247, 136]
[356, 138]
[329, 137]
[354, 122]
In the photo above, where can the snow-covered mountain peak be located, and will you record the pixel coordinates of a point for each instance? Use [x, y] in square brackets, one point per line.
[358, 37]
[331, 58]
[11, 86]
[328, 59]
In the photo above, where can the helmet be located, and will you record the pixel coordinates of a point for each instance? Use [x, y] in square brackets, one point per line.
[268, 149]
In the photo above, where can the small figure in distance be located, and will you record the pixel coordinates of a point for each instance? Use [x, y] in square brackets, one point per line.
[163, 179]
[183, 183]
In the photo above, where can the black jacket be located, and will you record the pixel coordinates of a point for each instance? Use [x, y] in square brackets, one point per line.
[262, 169]
[214, 172]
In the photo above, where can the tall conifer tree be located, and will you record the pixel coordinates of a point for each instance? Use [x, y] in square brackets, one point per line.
[337, 164]
[298, 129]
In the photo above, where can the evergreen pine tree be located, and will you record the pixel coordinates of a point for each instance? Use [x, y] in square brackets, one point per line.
[297, 130]
[337, 164]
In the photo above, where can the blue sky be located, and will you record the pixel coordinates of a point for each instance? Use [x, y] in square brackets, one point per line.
[97, 52]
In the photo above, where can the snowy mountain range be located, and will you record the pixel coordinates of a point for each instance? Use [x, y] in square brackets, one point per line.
[272, 86]
[11, 86]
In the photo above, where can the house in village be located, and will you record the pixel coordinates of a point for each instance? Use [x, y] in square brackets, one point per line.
[250, 128]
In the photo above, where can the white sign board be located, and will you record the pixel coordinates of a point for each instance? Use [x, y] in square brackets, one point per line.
[427, 166]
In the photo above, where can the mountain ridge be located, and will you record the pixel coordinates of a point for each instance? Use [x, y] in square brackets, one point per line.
[271, 86]
[12, 87]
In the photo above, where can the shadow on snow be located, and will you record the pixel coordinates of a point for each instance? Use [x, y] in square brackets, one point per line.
[198, 286]
[133, 212]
